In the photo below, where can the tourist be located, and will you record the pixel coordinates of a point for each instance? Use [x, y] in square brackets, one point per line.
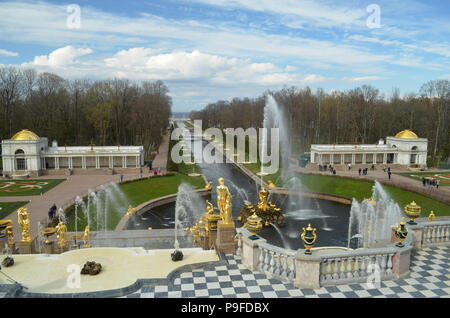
[159, 170]
[359, 171]
[373, 167]
[437, 183]
[424, 181]
[155, 172]
[334, 171]
[389, 174]
[140, 172]
[121, 178]
[349, 166]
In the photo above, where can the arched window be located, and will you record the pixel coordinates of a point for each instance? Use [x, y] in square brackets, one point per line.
[20, 161]
[414, 148]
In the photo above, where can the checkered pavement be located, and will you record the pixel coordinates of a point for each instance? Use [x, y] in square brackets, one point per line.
[430, 277]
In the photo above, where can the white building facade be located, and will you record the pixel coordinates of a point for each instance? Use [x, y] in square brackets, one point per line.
[406, 149]
[27, 154]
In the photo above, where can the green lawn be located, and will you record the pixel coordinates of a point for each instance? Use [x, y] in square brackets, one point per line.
[137, 192]
[7, 208]
[444, 177]
[27, 187]
[360, 190]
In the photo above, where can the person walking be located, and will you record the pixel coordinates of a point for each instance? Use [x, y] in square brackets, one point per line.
[121, 178]
[359, 171]
[424, 181]
[389, 175]
[437, 184]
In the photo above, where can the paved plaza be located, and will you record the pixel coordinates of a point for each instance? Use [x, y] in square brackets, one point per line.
[430, 277]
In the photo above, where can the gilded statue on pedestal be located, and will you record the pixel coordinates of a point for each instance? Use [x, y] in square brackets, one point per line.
[263, 194]
[9, 232]
[227, 216]
[24, 223]
[222, 194]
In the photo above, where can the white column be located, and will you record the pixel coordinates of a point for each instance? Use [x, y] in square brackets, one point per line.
[364, 158]
[124, 161]
[70, 162]
[342, 158]
[56, 163]
[332, 159]
[353, 158]
[385, 158]
[83, 162]
[111, 162]
[374, 161]
[320, 158]
[97, 162]
[137, 161]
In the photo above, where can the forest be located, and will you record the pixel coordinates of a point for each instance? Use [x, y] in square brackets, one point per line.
[360, 115]
[76, 112]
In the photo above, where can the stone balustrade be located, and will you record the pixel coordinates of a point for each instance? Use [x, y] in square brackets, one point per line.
[276, 262]
[437, 232]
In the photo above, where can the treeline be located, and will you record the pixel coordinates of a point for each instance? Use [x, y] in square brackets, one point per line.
[74, 112]
[360, 115]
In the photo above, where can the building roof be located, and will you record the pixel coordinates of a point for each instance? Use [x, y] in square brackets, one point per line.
[406, 134]
[25, 134]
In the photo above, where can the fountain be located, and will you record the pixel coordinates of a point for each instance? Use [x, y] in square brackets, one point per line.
[371, 220]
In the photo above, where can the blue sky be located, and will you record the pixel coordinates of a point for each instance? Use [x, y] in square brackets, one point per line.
[209, 50]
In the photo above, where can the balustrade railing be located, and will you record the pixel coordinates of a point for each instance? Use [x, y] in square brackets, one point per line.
[344, 267]
[435, 232]
[277, 262]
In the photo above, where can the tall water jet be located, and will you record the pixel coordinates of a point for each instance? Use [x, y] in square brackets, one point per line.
[372, 219]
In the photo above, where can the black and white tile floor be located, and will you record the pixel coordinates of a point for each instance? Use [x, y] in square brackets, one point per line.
[430, 277]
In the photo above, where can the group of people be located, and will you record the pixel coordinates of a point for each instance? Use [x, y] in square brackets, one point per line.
[327, 167]
[363, 171]
[156, 172]
[430, 182]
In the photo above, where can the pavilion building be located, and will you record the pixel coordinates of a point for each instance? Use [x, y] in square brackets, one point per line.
[405, 149]
[27, 154]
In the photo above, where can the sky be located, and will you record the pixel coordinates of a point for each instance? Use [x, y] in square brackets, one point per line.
[209, 50]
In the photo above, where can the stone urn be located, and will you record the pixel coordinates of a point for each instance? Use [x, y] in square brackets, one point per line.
[401, 233]
[309, 237]
[177, 256]
[91, 268]
[412, 211]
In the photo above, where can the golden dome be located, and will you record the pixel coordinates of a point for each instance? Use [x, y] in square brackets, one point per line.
[406, 134]
[25, 134]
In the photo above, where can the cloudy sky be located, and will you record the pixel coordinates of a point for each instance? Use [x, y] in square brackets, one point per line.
[207, 50]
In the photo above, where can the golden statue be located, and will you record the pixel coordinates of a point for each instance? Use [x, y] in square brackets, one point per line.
[24, 222]
[86, 237]
[61, 236]
[222, 194]
[9, 232]
[262, 204]
[130, 211]
[208, 185]
[227, 215]
[271, 185]
[432, 217]
[209, 208]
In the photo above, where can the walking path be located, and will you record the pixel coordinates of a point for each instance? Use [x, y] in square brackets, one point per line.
[442, 194]
[65, 193]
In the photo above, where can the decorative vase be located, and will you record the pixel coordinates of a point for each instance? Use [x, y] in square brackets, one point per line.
[401, 233]
[309, 237]
[254, 225]
[412, 211]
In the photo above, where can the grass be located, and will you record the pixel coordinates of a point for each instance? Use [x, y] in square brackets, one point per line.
[138, 192]
[360, 190]
[27, 187]
[444, 178]
[7, 208]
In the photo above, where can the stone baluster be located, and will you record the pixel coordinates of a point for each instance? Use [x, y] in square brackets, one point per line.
[292, 270]
[262, 258]
[348, 267]
[272, 262]
[389, 264]
[447, 233]
[284, 267]
[335, 269]
[363, 271]
[330, 267]
[266, 261]
[433, 235]
[277, 269]
[322, 276]
[342, 268]
[239, 249]
[356, 267]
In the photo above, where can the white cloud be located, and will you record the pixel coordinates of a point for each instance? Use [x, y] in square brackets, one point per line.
[8, 53]
[60, 57]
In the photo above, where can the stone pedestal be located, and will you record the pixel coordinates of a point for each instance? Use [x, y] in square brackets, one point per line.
[25, 248]
[417, 238]
[225, 238]
[48, 248]
[307, 269]
[250, 252]
[401, 262]
[212, 239]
